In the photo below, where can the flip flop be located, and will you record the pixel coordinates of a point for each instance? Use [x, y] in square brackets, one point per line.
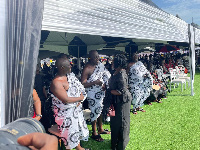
[158, 101]
[142, 110]
[106, 131]
[135, 112]
[97, 138]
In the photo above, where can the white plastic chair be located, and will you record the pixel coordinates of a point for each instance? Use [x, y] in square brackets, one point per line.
[174, 79]
[181, 75]
[159, 73]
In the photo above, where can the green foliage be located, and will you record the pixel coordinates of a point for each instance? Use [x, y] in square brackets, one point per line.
[171, 125]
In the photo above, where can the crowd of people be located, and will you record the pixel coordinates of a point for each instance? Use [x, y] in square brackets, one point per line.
[118, 83]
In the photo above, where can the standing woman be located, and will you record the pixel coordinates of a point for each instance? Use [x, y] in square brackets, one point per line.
[121, 100]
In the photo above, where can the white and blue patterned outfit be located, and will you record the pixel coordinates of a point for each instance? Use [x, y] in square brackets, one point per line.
[95, 95]
[69, 117]
[140, 83]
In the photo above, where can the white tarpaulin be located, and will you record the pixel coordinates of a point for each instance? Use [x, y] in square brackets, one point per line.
[117, 18]
[197, 36]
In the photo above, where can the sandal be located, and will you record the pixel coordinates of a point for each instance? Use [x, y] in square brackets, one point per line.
[135, 112]
[141, 109]
[158, 101]
[106, 131]
[97, 138]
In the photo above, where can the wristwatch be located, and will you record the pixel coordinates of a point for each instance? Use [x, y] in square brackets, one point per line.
[39, 115]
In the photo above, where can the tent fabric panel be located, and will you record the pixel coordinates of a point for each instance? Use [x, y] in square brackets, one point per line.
[57, 38]
[2, 61]
[95, 47]
[91, 39]
[117, 18]
[56, 48]
[197, 36]
[23, 29]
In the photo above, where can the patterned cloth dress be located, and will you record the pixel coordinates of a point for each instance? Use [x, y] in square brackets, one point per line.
[69, 117]
[95, 95]
[140, 83]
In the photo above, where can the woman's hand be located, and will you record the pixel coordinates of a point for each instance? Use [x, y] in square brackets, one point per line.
[81, 97]
[37, 118]
[98, 82]
[103, 87]
[78, 104]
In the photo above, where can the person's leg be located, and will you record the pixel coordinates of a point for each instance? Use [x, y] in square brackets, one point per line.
[134, 110]
[94, 126]
[95, 135]
[124, 128]
[79, 147]
[123, 136]
[134, 106]
[114, 132]
[100, 126]
[120, 144]
[99, 122]
[141, 98]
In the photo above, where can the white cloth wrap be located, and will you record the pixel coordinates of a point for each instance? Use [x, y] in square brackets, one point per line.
[95, 95]
[69, 117]
[140, 82]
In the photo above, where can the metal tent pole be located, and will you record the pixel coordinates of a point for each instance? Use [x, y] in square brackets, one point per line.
[191, 35]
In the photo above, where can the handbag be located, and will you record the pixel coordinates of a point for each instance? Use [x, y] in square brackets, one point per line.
[111, 111]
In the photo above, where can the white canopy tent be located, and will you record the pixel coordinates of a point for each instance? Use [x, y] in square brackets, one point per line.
[116, 18]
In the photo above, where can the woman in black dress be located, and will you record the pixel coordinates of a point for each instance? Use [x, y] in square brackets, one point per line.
[121, 100]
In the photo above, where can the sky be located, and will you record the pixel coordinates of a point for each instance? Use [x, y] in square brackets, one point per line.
[186, 9]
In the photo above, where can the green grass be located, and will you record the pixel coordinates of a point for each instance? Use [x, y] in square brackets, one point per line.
[171, 125]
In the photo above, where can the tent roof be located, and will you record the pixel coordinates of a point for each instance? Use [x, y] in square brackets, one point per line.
[116, 18]
[149, 2]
